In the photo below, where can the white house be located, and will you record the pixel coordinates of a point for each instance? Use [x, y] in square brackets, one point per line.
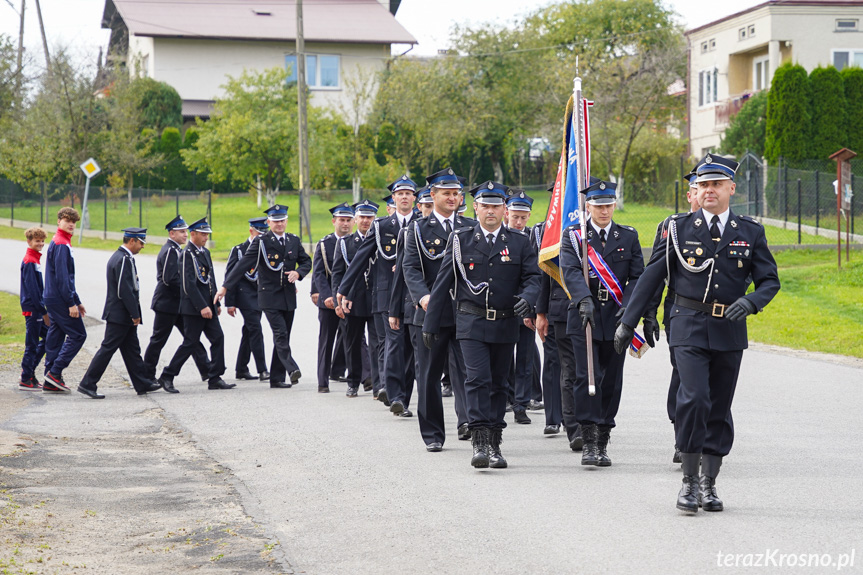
[193, 45]
[734, 57]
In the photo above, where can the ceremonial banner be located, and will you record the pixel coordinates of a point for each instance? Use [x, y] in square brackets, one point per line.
[563, 208]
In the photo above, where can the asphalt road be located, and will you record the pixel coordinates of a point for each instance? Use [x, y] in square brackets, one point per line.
[348, 488]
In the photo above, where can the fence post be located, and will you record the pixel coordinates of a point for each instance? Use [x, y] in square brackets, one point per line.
[104, 213]
[12, 215]
[799, 211]
[41, 202]
[817, 201]
[676, 196]
[177, 200]
[852, 203]
[785, 193]
[757, 201]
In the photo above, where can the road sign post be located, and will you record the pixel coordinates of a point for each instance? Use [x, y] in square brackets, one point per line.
[90, 169]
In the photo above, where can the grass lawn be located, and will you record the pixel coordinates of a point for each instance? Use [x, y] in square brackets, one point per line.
[11, 330]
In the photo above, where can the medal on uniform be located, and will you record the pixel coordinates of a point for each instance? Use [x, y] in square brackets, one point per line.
[698, 251]
[437, 242]
[431, 251]
[691, 261]
[276, 256]
[387, 248]
[470, 266]
[740, 263]
[392, 241]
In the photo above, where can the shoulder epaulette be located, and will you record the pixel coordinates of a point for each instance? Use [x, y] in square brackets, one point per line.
[629, 228]
[750, 219]
[522, 232]
[464, 229]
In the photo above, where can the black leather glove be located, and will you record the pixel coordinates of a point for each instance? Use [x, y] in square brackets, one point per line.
[651, 328]
[623, 337]
[522, 308]
[586, 310]
[619, 315]
[429, 339]
[740, 309]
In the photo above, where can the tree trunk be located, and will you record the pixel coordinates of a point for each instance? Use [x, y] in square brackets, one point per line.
[498, 170]
[356, 189]
[129, 194]
[620, 193]
[260, 191]
[272, 194]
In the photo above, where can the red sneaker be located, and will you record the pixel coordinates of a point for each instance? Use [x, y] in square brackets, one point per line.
[55, 384]
[31, 384]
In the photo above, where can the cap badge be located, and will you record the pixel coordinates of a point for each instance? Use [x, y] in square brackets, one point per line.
[450, 172]
[405, 177]
[490, 186]
[708, 159]
[601, 185]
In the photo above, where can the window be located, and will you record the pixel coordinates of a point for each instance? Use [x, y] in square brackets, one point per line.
[322, 70]
[707, 86]
[760, 74]
[742, 34]
[713, 43]
[843, 58]
[751, 31]
[846, 25]
[708, 45]
[704, 46]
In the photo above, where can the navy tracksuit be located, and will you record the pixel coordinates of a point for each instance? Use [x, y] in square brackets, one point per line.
[67, 334]
[33, 308]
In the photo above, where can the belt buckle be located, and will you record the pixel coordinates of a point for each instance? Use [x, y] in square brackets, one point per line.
[718, 306]
[602, 294]
[491, 314]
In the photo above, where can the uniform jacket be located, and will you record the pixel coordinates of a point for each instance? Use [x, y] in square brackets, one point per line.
[552, 301]
[380, 246]
[60, 272]
[622, 253]
[511, 271]
[246, 294]
[31, 284]
[198, 281]
[121, 302]
[272, 262]
[360, 293]
[740, 256]
[400, 304]
[166, 296]
[322, 272]
[423, 262]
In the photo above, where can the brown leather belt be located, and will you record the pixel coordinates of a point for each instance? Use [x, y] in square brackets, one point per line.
[487, 313]
[715, 309]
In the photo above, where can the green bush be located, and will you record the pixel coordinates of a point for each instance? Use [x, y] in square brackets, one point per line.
[828, 125]
[788, 114]
[853, 81]
[747, 129]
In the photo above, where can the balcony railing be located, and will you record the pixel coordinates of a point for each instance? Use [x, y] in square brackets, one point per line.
[727, 109]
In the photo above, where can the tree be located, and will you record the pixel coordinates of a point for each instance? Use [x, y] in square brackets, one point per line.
[828, 125]
[788, 114]
[360, 87]
[159, 103]
[852, 79]
[11, 78]
[251, 137]
[746, 130]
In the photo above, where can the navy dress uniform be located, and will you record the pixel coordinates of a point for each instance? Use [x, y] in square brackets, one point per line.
[425, 243]
[709, 258]
[378, 254]
[245, 298]
[491, 275]
[275, 258]
[361, 317]
[322, 272]
[198, 291]
[618, 246]
[166, 305]
[122, 315]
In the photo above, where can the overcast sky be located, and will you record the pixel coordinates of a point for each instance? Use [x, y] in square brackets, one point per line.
[76, 23]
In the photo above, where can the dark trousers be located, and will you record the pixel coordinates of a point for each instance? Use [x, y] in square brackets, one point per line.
[329, 327]
[673, 386]
[707, 383]
[600, 409]
[64, 339]
[486, 368]
[34, 345]
[193, 327]
[382, 324]
[536, 374]
[251, 342]
[520, 379]
[124, 338]
[339, 365]
[399, 371]
[567, 378]
[356, 349]
[447, 349]
[163, 323]
[282, 362]
[551, 379]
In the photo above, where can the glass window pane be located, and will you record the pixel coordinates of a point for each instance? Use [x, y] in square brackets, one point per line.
[311, 70]
[840, 60]
[330, 71]
[291, 66]
[858, 59]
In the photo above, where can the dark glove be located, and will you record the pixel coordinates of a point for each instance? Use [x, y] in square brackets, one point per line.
[586, 310]
[429, 339]
[623, 337]
[619, 315]
[651, 328]
[522, 308]
[740, 309]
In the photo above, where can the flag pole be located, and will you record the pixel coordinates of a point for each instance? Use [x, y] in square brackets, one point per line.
[583, 180]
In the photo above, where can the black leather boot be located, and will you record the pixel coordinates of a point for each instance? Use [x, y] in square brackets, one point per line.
[687, 499]
[495, 457]
[480, 440]
[602, 458]
[707, 498]
[589, 434]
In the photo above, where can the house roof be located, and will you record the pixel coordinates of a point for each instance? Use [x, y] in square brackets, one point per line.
[819, 3]
[350, 21]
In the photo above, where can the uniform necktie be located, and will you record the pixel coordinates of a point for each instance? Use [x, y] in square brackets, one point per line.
[714, 229]
[602, 237]
[404, 223]
[490, 238]
[282, 241]
[447, 226]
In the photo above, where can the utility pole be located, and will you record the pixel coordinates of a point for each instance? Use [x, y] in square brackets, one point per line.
[44, 38]
[305, 208]
[21, 48]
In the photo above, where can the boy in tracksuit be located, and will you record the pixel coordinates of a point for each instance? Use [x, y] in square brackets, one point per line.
[66, 335]
[33, 309]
